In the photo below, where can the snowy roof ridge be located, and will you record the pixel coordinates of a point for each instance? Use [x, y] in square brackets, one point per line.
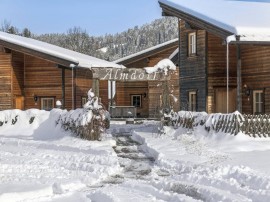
[237, 17]
[79, 59]
[146, 50]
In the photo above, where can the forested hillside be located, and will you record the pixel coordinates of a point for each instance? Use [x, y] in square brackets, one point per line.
[110, 46]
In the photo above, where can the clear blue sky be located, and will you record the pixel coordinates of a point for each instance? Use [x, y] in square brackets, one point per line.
[96, 16]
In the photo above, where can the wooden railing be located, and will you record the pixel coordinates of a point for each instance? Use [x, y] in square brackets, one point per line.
[123, 111]
[252, 125]
[256, 125]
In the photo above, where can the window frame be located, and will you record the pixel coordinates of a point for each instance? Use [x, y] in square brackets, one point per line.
[140, 97]
[261, 102]
[192, 45]
[47, 98]
[192, 106]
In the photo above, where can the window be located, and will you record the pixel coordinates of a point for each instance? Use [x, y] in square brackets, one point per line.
[136, 100]
[84, 100]
[192, 101]
[258, 102]
[47, 103]
[192, 44]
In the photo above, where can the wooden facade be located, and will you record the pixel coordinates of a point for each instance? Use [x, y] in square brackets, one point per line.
[26, 79]
[150, 91]
[206, 71]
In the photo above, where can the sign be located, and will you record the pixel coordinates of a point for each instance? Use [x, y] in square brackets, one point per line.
[127, 74]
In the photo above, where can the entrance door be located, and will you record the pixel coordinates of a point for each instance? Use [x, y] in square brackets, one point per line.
[19, 102]
[221, 100]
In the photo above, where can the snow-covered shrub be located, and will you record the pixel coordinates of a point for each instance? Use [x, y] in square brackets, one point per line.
[87, 122]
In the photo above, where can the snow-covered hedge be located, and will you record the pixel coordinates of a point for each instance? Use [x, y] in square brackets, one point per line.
[87, 122]
[233, 123]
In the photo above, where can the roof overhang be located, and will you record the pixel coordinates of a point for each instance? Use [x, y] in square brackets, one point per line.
[146, 54]
[22, 49]
[193, 20]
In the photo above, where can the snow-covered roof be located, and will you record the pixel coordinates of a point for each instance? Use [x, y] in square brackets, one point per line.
[146, 50]
[79, 59]
[247, 18]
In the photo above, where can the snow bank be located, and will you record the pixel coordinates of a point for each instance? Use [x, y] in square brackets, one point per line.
[206, 169]
[42, 162]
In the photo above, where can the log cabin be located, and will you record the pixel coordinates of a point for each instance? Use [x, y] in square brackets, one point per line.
[34, 74]
[224, 54]
[146, 96]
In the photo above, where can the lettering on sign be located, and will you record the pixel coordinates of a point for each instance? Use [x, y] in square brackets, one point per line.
[128, 74]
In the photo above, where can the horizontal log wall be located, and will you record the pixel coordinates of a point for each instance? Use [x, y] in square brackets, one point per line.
[17, 75]
[155, 91]
[124, 92]
[5, 80]
[192, 68]
[217, 70]
[150, 103]
[255, 74]
[43, 79]
[29, 76]
[83, 84]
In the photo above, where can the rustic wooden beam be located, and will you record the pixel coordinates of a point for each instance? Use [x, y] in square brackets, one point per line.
[63, 88]
[95, 87]
[239, 79]
[179, 61]
[75, 88]
[195, 21]
[127, 74]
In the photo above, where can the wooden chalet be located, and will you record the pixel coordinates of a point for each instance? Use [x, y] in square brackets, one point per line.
[34, 74]
[224, 54]
[146, 96]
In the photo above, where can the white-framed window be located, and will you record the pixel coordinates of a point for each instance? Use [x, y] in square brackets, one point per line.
[84, 100]
[192, 43]
[136, 100]
[192, 100]
[258, 102]
[47, 103]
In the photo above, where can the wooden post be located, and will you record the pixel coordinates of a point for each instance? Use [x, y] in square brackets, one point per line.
[63, 88]
[95, 87]
[239, 80]
[228, 68]
[179, 61]
[165, 93]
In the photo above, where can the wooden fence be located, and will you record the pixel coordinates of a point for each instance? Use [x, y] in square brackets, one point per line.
[252, 125]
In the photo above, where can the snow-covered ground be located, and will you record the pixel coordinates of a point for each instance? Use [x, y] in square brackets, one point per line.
[40, 162]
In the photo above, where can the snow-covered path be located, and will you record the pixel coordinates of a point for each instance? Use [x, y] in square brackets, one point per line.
[38, 170]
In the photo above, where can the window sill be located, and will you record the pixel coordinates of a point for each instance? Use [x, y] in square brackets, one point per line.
[192, 56]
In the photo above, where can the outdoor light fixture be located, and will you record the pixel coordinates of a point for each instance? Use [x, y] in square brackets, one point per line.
[35, 98]
[144, 95]
[246, 90]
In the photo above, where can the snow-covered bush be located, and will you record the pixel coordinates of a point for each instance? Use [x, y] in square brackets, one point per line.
[87, 122]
